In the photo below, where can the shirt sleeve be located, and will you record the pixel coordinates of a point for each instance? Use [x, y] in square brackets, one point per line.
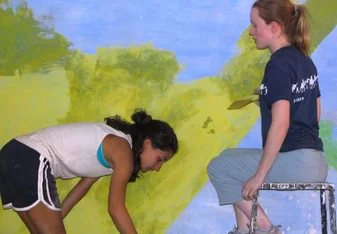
[278, 84]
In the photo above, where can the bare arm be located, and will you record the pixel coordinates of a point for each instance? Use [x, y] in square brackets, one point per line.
[76, 194]
[121, 159]
[318, 109]
[276, 135]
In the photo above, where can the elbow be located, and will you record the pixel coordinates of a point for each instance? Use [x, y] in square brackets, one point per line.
[113, 213]
[115, 210]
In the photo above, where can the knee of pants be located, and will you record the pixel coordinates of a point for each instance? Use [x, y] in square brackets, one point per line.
[210, 167]
[214, 168]
[220, 164]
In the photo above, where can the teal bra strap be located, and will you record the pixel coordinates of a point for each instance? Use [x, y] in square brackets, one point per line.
[101, 158]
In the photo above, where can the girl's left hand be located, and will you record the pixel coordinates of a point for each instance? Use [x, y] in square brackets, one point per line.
[251, 186]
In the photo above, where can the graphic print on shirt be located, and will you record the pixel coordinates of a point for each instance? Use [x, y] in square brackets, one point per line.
[297, 89]
[263, 89]
[309, 83]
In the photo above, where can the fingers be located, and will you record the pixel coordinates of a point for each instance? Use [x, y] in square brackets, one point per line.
[256, 91]
[245, 192]
[251, 194]
[248, 193]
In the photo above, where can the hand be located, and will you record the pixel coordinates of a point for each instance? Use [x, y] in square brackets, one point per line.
[250, 187]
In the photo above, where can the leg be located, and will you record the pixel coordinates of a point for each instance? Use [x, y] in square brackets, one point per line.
[241, 219]
[24, 217]
[227, 173]
[262, 221]
[233, 167]
[28, 185]
[45, 220]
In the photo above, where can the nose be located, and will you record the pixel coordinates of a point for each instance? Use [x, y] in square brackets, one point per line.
[158, 167]
[251, 31]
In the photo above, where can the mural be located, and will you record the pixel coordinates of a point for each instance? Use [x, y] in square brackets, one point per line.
[185, 62]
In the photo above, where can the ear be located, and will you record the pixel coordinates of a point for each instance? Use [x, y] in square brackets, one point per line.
[147, 143]
[276, 28]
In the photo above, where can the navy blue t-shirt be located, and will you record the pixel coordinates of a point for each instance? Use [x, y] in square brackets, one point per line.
[290, 75]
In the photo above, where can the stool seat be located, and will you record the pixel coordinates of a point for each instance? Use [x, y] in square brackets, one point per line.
[297, 186]
[322, 187]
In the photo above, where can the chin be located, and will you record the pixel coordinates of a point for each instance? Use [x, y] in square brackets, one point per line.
[261, 47]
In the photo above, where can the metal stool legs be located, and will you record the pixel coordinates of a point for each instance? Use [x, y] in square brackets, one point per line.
[332, 211]
[323, 211]
[322, 187]
[255, 205]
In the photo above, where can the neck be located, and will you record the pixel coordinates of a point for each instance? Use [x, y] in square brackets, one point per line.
[282, 42]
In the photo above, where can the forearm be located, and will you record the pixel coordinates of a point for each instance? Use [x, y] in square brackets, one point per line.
[71, 200]
[275, 138]
[76, 194]
[122, 220]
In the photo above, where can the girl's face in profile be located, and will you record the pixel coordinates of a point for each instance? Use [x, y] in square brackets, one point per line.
[152, 159]
[259, 30]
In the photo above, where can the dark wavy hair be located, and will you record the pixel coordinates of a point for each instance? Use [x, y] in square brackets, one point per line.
[144, 127]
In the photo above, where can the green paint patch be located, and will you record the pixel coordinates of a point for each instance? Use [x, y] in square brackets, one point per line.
[25, 44]
[330, 144]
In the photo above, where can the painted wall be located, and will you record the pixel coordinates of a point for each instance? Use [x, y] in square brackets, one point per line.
[185, 62]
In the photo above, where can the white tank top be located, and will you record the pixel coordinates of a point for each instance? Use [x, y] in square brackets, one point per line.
[72, 148]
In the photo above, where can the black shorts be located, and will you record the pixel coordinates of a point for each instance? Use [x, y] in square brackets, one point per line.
[26, 178]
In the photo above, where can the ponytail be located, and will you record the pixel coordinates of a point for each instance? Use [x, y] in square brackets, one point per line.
[300, 29]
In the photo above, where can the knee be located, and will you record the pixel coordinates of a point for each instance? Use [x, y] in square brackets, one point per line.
[211, 167]
[218, 164]
[212, 170]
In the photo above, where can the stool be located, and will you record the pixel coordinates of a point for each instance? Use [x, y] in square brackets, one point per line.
[322, 187]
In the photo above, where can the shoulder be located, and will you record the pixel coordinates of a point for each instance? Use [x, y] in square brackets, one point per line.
[284, 63]
[117, 150]
[114, 132]
[117, 143]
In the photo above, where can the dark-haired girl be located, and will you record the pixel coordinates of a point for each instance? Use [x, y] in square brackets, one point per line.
[29, 165]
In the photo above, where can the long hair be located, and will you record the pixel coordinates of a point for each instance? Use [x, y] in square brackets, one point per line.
[144, 127]
[293, 19]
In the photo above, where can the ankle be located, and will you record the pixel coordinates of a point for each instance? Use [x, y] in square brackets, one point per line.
[268, 229]
[264, 229]
[264, 225]
[240, 230]
[242, 227]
